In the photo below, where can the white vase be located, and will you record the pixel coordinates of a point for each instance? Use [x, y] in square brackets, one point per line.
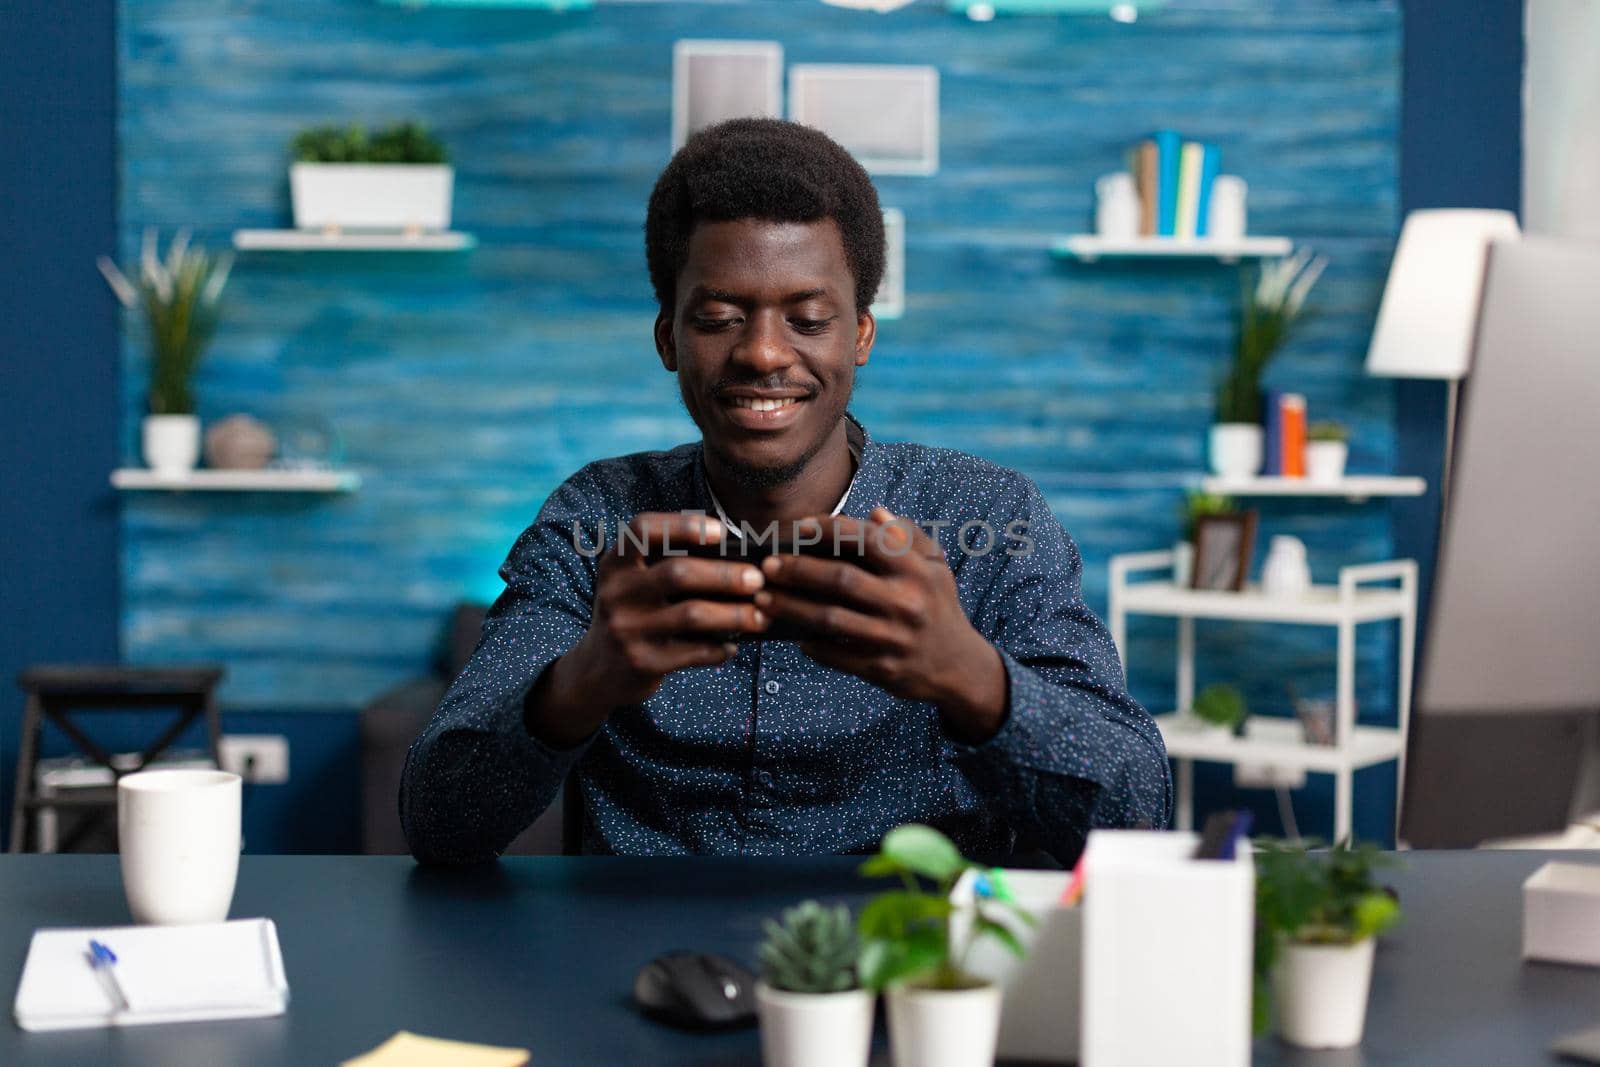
[1325, 460]
[944, 1027]
[814, 1029]
[1285, 572]
[1236, 449]
[171, 443]
[1320, 993]
[1225, 221]
[371, 196]
[1116, 209]
[1182, 564]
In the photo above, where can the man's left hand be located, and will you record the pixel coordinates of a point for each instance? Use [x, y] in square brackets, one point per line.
[893, 619]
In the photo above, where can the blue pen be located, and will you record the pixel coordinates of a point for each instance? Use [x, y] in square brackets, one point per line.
[103, 962]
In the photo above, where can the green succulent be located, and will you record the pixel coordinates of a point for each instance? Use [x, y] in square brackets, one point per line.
[811, 950]
[1327, 431]
[1197, 503]
[404, 142]
[1221, 705]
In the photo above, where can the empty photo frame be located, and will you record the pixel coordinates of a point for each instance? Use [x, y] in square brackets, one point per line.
[1222, 547]
[890, 303]
[717, 80]
[887, 116]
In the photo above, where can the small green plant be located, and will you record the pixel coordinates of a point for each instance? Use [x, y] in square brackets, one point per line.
[1268, 312]
[908, 934]
[811, 949]
[1221, 705]
[1317, 898]
[178, 296]
[404, 142]
[1197, 504]
[1327, 431]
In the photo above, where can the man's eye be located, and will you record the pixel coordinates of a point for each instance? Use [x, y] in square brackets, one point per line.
[709, 324]
[810, 325]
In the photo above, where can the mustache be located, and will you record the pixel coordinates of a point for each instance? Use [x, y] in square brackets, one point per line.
[810, 389]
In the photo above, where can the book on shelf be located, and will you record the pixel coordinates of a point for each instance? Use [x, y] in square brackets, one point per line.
[1174, 179]
[1292, 443]
[1169, 147]
[1272, 432]
[1189, 159]
[1146, 178]
[1211, 162]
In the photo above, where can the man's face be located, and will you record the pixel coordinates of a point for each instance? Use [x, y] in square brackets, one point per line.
[765, 340]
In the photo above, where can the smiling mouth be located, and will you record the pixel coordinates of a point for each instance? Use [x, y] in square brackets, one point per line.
[763, 404]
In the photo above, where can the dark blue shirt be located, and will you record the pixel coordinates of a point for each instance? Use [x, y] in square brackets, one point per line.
[772, 753]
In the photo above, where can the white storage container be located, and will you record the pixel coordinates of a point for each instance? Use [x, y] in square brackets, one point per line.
[1561, 914]
[371, 196]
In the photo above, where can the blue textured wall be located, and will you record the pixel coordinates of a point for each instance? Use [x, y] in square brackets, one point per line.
[467, 386]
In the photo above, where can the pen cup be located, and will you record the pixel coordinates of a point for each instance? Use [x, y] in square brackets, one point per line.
[178, 834]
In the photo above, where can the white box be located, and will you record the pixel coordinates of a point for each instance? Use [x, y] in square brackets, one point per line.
[1561, 914]
[1039, 994]
[1168, 946]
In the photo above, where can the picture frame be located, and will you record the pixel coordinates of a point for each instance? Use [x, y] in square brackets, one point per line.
[1222, 547]
[890, 303]
[887, 116]
[717, 80]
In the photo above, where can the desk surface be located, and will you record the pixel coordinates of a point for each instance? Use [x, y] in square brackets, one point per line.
[540, 953]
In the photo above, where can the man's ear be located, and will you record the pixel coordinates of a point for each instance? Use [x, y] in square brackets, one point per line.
[666, 347]
[866, 333]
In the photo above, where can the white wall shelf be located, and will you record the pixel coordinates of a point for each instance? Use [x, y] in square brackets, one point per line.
[348, 241]
[1356, 599]
[270, 480]
[1353, 487]
[1088, 248]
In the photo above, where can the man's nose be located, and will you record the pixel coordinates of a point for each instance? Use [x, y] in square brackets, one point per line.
[764, 348]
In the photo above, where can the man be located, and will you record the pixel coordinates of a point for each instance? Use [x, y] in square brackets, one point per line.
[949, 674]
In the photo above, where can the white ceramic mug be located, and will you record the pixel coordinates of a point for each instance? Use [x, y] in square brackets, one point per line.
[178, 833]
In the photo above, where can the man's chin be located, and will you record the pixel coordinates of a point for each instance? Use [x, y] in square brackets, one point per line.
[762, 474]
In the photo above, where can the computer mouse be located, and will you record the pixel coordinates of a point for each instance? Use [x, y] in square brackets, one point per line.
[696, 991]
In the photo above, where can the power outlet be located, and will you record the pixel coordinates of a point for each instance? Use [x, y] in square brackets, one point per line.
[260, 759]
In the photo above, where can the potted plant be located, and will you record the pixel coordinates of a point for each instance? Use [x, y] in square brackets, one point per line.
[396, 179]
[1268, 312]
[1317, 915]
[813, 1010]
[1223, 708]
[178, 297]
[1327, 449]
[940, 1015]
[1195, 505]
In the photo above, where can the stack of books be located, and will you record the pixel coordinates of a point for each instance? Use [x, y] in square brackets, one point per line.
[1174, 178]
[1283, 450]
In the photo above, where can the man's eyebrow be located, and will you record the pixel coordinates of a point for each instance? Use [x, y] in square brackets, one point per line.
[706, 292]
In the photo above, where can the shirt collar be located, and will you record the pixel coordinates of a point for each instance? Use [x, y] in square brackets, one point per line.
[860, 495]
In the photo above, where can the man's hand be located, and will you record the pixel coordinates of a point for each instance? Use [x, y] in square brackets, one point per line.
[653, 614]
[895, 620]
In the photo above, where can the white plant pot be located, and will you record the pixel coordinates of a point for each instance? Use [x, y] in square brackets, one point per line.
[1182, 564]
[944, 1027]
[814, 1029]
[1236, 449]
[371, 196]
[1325, 460]
[171, 443]
[1320, 993]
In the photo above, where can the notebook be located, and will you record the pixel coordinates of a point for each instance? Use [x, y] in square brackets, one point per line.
[170, 974]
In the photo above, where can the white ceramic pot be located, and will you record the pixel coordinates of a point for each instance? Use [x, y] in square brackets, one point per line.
[1285, 573]
[1325, 460]
[1236, 449]
[371, 196]
[944, 1027]
[814, 1029]
[1225, 221]
[171, 443]
[1320, 993]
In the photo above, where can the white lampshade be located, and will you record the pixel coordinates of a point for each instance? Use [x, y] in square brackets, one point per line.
[1430, 304]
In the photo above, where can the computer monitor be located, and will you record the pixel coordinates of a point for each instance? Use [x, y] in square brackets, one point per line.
[1509, 677]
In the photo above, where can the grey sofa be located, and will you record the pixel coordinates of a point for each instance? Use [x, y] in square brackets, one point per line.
[392, 721]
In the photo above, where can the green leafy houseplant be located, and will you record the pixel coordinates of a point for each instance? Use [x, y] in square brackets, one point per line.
[404, 142]
[1268, 312]
[907, 934]
[178, 296]
[1318, 898]
[1221, 705]
[810, 949]
[1197, 504]
[1327, 431]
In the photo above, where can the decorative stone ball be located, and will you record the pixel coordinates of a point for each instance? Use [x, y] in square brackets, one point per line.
[239, 442]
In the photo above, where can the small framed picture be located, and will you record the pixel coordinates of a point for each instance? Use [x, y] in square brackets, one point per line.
[717, 80]
[1222, 545]
[885, 116]
[890, 302]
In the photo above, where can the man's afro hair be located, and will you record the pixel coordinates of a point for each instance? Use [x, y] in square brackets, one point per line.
[762, 169]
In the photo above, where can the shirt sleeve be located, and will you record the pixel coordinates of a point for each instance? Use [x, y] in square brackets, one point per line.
[476, 778]
[1076, 752]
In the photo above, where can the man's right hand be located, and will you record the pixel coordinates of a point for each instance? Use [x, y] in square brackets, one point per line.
[653, 614]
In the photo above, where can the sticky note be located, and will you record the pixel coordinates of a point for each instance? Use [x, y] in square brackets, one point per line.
[413, 1050]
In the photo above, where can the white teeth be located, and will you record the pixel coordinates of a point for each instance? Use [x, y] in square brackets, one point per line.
[760, 404]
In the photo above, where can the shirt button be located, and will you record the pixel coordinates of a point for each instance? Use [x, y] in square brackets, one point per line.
[773, 687]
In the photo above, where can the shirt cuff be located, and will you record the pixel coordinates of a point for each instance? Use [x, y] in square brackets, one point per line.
[1043, 731]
